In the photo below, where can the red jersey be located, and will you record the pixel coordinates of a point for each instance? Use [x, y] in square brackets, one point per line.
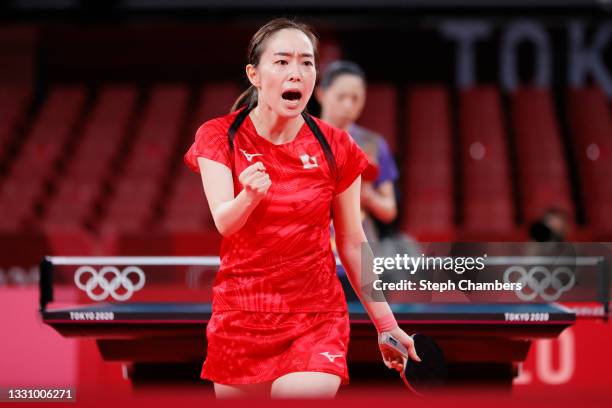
[281, 259]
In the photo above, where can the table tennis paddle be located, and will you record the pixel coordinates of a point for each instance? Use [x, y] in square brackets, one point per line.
[426, 375]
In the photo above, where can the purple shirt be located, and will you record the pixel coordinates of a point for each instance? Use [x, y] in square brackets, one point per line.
[386, 163]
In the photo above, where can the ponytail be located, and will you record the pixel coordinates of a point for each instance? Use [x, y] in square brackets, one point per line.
[248, 98]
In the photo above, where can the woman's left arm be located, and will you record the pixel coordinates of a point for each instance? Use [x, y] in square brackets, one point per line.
[349, 239]
[379, 201]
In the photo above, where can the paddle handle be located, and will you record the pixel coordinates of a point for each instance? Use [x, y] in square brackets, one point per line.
[387, 340]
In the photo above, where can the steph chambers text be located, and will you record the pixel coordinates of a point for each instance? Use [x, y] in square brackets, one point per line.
[426, 285]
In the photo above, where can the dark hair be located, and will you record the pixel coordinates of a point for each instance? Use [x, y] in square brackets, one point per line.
[337, 68]
[541, 231]
[256, 48]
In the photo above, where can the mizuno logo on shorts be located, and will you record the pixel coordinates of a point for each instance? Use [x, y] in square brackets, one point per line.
[331, 357]
[249, 156]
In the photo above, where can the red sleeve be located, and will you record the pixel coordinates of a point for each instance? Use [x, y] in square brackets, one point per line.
[351, 161]
[211, 142]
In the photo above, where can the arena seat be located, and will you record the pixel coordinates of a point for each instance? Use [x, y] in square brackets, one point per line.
[44, 143]
[135, 190]
[591, 128]
[426, 162]
[14, 100]
[79, 187]
[486, 187]
[72, 203]
[542, 172]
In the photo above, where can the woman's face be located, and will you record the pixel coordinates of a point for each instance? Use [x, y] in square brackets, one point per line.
[286, 73]
[343, 100]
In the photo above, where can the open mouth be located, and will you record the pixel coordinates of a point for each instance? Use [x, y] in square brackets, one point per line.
[292, 96]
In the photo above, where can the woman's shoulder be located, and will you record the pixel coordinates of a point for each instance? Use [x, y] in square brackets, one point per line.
[365, 134]
[210, 142]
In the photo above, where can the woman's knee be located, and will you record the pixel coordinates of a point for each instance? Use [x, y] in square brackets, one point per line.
[306, 385]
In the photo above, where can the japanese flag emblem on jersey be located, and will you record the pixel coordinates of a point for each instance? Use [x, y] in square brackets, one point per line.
[309, 162]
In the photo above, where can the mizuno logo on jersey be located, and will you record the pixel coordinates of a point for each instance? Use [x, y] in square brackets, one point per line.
[309, 162]
[331, 357]
[249, 156]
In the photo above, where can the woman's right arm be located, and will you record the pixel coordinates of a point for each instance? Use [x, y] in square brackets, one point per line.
[231, 213]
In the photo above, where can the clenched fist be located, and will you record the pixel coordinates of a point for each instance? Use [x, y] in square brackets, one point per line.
[255, 180]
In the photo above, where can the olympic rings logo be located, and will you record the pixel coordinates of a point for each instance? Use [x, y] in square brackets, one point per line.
[542, 282]
[120, 279]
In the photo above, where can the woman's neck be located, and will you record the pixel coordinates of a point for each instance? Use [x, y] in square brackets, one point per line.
[277, 129]
[327, 118]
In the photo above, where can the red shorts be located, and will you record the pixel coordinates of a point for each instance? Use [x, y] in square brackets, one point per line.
[254, 347]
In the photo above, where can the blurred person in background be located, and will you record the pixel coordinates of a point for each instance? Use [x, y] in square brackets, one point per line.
[549, 237]
[551, 227]
[342, 96]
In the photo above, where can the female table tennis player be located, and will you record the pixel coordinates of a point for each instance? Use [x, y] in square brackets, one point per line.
[273, 178]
